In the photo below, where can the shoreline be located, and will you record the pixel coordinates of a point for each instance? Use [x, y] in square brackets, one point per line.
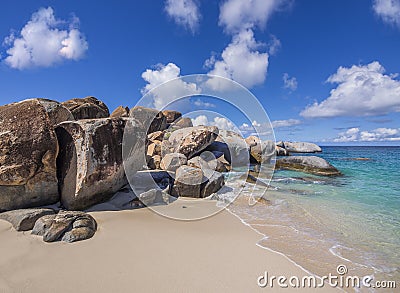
[212, 254]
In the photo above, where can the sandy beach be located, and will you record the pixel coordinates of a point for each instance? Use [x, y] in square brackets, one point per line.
[139, 250]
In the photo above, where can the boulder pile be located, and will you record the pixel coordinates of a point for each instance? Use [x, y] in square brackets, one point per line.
[71, 154]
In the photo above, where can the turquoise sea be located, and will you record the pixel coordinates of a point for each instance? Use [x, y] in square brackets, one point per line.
[323, 222]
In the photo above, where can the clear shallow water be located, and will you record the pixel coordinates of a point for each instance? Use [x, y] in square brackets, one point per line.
[321, 222]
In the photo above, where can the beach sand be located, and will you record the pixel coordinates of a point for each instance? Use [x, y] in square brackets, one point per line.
[141, 251]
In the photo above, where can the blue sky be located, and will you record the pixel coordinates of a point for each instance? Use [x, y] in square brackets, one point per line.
[325, 71]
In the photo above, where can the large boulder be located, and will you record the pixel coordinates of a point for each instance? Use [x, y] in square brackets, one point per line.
[201, 163]
[309, 164]
[260, 151]
[25, 219]
[301, 147]
[182, 123]
[172, 115]
[233, 146]
[67, 226]
[28, 152]
[56, 111]
[213, 184]
[192, 140]
[188, 182]
[173, 161]
[119, 112]
[153, 119]
[87, 108]
[90, 165]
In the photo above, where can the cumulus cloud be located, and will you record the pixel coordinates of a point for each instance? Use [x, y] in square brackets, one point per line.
[236, 15]
[174, 89]
[362, 90]
[379, 134]
[289, 82]
[45, 41]
[241, 61]
[351, 134]
[184, 12]
[285, 123]
[388, 10]
[220, 122]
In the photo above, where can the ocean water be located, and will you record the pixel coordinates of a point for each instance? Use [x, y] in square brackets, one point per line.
[322, 222]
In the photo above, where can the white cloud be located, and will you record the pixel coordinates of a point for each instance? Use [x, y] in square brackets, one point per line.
[241, 61]
[379, 134]
[256, 128]
[201, 104]
[285, 123]
[388, 10]
[274, 45]
[43, 42]
[289, 82]
[220, 122]
[184, 12]
[174, 89]
[236, 15]
[348, 135]
[361, 91]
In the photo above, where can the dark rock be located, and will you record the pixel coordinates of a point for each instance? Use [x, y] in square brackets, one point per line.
[78, 234]
[119, 112]
[213, 184]
[28, 151]
[153, 119]
[188, 182]
[90, 166]
[172, 115]
[309, 164]
[42, 225]
[87, 108]
[24, 219]
[192, 140]
[68, 226]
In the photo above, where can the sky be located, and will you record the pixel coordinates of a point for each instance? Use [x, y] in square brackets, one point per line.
[324, 71]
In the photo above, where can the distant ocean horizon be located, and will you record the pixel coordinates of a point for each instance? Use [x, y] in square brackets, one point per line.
[322, 222]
